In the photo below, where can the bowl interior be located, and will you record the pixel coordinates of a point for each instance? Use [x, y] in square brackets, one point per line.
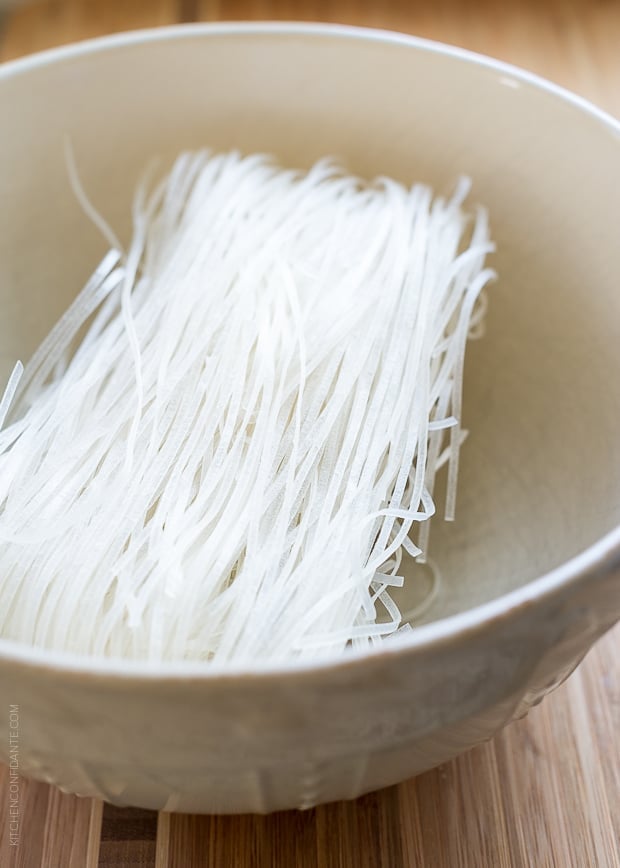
[540, 472]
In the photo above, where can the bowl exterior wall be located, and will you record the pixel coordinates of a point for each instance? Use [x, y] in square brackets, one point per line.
[269, 742]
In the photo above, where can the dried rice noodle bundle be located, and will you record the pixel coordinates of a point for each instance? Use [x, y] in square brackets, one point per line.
[225, 446]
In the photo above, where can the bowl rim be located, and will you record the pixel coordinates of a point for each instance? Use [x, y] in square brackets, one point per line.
[600, 558]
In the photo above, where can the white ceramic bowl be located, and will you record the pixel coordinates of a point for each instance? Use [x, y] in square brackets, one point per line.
[530, 567]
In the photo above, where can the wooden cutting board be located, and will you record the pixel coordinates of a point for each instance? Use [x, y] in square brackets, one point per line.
[545, 793]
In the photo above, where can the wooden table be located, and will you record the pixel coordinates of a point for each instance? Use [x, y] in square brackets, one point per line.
[546, 792]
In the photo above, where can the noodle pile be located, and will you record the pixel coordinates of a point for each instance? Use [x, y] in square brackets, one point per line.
[223, 449]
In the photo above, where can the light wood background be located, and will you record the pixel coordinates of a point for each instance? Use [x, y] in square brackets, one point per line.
[545, 793]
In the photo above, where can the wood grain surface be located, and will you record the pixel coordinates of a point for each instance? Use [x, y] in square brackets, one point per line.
[545, 793]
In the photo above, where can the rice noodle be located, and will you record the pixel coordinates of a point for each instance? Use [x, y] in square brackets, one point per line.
[226, 444]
